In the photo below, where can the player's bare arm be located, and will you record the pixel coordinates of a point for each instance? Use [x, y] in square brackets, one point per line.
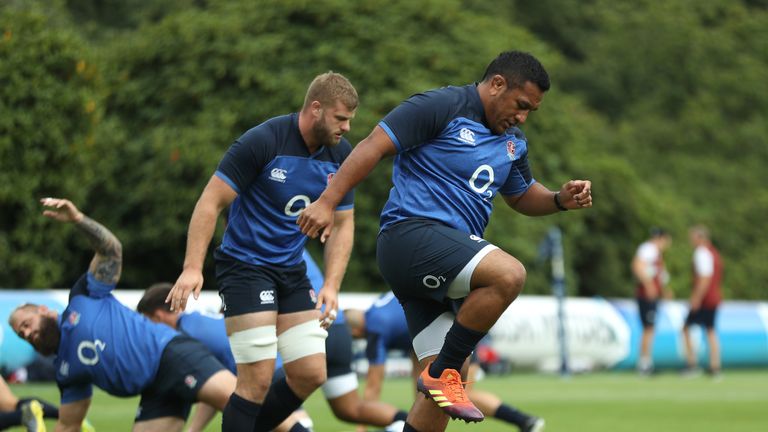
[338, 249]
[107, 262]
[71, 415]
[216, 196]
[540, 201]
[364, 157]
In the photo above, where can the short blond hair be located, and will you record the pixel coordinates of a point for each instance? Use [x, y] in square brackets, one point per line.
[330, 87]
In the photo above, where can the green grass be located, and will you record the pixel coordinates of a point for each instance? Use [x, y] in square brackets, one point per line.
[610, 401]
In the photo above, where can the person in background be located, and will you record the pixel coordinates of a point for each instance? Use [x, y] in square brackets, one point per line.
[705, 298]
[99, 341]
[651, 274]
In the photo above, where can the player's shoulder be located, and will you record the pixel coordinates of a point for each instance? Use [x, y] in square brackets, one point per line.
[271, 131]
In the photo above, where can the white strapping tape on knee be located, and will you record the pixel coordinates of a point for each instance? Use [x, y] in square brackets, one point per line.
[302, 340]
[255, 344]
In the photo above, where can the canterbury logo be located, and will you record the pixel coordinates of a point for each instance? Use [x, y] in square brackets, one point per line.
[267, 297]
[437, 396]
[278, 174]
[467, 136]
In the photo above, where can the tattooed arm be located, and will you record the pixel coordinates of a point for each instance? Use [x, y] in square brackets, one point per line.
[107, 262]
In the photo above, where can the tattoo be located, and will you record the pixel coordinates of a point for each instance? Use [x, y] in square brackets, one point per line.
[107, 263]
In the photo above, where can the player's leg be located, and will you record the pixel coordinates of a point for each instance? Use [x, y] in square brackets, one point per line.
[162, 424]
[690, 354]
[441, 264]
[647, 310]
[340, 389]
[248, 295]
[713, 342]
[301, 342]
[8, 400]
[428, 323]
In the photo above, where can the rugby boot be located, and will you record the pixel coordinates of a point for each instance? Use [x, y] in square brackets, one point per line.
[448, 393]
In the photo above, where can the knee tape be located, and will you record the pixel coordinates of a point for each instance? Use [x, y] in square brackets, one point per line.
[255, 344]
[302, 340]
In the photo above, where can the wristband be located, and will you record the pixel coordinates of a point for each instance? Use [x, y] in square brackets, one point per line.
[558, 204]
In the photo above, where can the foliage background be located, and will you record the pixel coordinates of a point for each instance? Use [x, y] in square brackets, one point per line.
[126, 106]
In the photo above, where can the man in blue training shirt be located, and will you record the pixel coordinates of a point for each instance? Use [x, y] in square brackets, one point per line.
[98, 341]
[266, 178]
[385, 329]
[210, 331]
[456, 148]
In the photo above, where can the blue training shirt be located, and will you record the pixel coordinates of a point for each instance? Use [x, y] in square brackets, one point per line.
[386, 329]
[449, 165]
[104, 343]
[212, 333]
[275, 178]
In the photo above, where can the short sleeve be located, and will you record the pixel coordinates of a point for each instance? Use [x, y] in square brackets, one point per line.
[703, 262]
[519, 179]
[246, 158]
[74, 393]
[89, 286]
[419, 118]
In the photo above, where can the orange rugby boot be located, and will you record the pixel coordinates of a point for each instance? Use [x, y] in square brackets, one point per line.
[448, 393]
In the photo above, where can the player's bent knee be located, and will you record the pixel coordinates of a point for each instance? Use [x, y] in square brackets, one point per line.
[254, 344]
[302, 340]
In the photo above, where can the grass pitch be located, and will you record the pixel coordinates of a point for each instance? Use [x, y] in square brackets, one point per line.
[600, 402]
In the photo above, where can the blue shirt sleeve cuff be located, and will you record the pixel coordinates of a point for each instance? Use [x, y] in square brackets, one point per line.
[228, 181]
[97, 288]
[392, 136]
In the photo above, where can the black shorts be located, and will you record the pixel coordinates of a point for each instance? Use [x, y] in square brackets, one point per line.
[184, 367]
[647, 310]
[702, 317]
[420, 258]
[245, 288]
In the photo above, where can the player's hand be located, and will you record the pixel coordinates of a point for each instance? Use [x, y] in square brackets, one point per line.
[316, 219]
[61, 210]
[576, 194]
[190, 282]
[327, 297]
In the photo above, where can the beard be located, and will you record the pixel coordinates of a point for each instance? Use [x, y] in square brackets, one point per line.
[49, 335]
[323, 135]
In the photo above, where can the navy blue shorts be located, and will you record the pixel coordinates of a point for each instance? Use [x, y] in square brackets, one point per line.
[186, 364]
[702, 317]
[245, 288]
[422, 261]
[647, 311]
[420, 258]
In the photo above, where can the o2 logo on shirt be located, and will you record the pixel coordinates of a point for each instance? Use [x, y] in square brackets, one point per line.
[88, 351]
[289, 211]
[483, 188]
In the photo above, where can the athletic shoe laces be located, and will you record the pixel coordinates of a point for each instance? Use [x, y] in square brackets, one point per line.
[455, 387]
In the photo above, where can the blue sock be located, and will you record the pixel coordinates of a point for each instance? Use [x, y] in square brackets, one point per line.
[239, 414]
[409, 428]
[400, 416]
[459, 343]
[278, 404]
[511, 415]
